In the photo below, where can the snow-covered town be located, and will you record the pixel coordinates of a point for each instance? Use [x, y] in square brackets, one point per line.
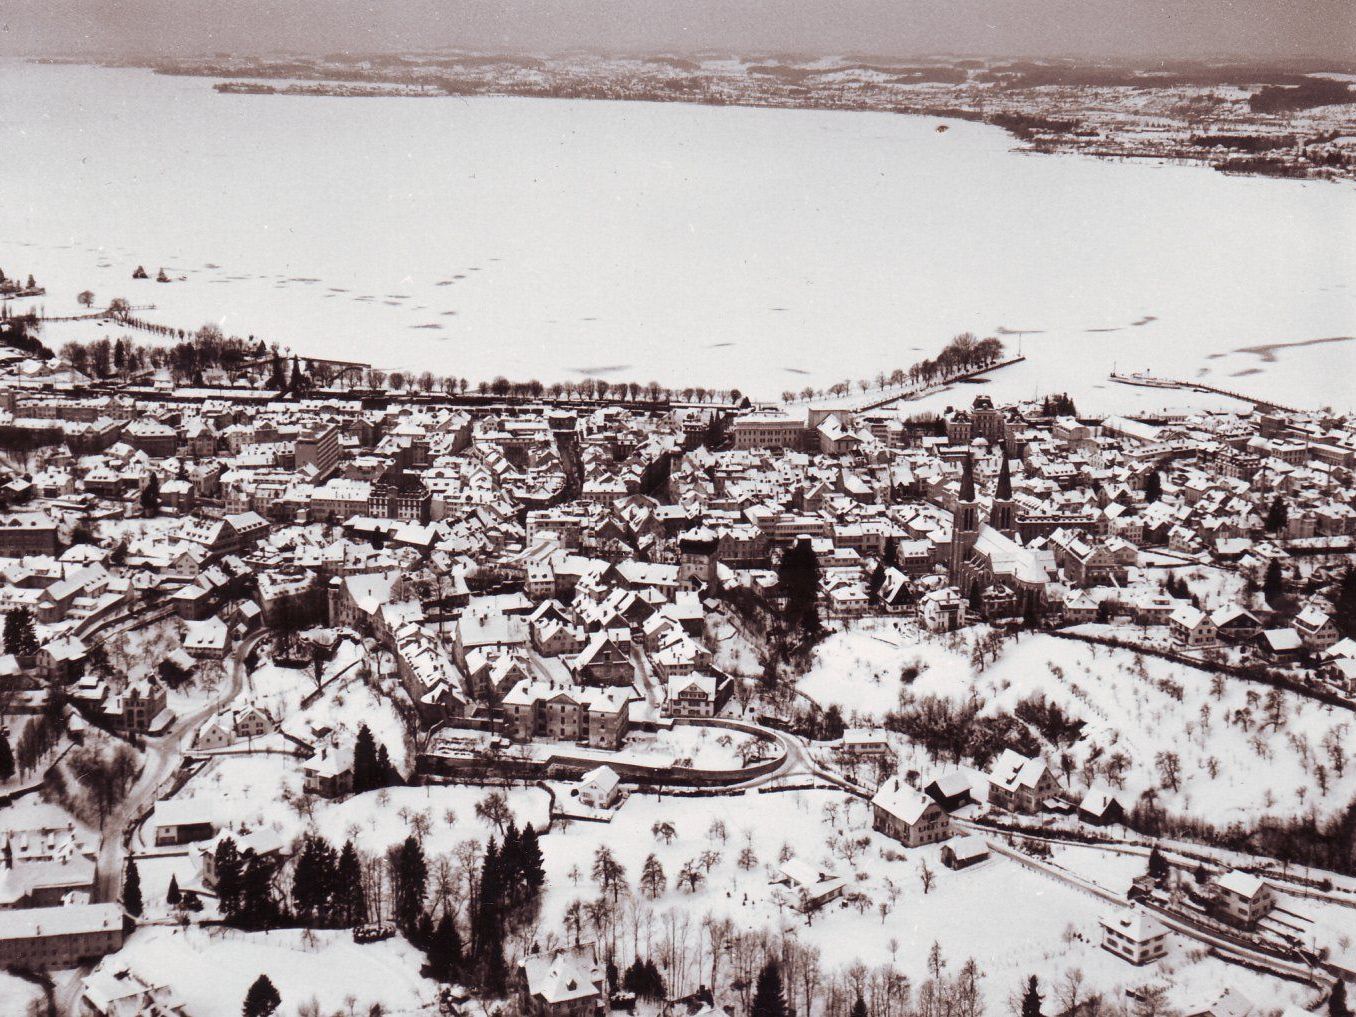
[557, 703]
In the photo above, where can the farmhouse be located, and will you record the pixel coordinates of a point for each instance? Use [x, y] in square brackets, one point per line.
[951, 791]
[908, 815]
[1023, 785]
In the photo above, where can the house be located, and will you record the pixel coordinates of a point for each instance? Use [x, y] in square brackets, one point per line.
[566, 982]
[606, 660]
[183, 820]
[1023, 785]
[908, 815]
[814, 887]
[1316, 629]
[963, 852]
[216, 732]
[59, 937]
[951, 791]
[252, 721]
[207, 640]
[265, 842]
[1280, 644]
[118, 992]
[1192, 627]
[1228, 1003]
[328, 773]
[694, 695]
[1243, 898]
[45, 882]
[860, 741]
[599, 787]
[141, 707]
[1134, 936]
[1101, 808]
[942, 610]
[1235, 625]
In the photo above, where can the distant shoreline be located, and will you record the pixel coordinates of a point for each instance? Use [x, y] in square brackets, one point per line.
[1049, 108]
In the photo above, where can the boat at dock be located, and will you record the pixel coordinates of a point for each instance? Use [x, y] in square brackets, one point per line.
[1143, 378]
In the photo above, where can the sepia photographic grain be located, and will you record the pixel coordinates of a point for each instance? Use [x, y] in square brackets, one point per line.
[760, 508]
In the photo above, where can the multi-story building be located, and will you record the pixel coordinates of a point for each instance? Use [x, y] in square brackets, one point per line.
[769, 431]
[595, 717]
[318, 449]
[1136, 937]
[25, 533]
[59, 937]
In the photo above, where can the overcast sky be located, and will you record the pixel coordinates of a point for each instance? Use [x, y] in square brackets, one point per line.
[1129, 28]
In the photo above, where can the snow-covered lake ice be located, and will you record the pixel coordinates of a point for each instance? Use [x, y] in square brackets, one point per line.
[763, 249]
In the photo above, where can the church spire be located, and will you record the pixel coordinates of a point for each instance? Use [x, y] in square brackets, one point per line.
[1004, 492]
[967, 489]
[1003, 514]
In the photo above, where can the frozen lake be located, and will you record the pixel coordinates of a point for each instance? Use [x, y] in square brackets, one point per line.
[724, 247]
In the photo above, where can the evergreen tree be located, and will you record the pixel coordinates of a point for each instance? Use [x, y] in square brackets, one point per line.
[833, 726]
[262, 998]
[411, 879]
[768, 998]
[352, 902]
[131, 889]
[1337, 1002]
[150, 496]
[20, 637]
[172, 895]
[257, 907]
[422, 936]
[1158, 865]
[444, 949]
[485, 925]
[877, 579]
[798, 582]
[493, 971]
[228, 877]
[1344, 606]
[1153, 487]
[654, 981]
[314, 882]
[1277, 515]
[386, 773]
[6, 758]
[531, 862]
[1031, 998]
[1273, 581]
[510, 866]
[859, 1008]
[364, 762]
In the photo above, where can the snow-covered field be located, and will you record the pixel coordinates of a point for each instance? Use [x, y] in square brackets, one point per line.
[1014, 921]
[1234, 763]
[596, 208]
[211, 969]
[246, 790]
[374, 823]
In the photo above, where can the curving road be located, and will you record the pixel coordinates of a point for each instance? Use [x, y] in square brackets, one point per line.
[163, 757]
